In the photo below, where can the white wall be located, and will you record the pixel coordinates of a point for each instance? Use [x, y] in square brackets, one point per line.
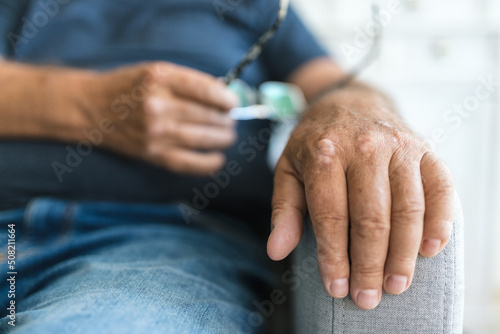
[434, 53]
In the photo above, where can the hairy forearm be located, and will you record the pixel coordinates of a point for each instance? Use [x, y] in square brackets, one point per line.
[41, 102]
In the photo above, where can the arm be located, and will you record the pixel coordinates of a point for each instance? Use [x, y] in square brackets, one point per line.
[376, 194]
[159, 112]
[41, 102]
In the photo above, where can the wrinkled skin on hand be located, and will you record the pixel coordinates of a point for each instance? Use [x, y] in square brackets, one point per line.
[169, 115]
[376, 195]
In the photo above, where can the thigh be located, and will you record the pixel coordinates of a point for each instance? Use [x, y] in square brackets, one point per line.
[164, 277]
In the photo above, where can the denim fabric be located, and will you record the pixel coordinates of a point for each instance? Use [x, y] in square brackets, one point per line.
[130, 268]
[433, 304]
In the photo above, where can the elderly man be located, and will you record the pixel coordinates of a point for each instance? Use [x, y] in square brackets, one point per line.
[112, 121]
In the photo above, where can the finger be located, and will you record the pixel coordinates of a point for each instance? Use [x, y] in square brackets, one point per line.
[201, 136]
[289, 210]
[190, 135]
[182, 161]
[370, 212]
[326, 195]
[202, 87]
[197, 113]
[165, 109]
[407, 223]
[439, 201]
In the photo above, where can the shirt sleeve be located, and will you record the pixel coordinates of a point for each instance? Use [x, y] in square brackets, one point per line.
[11, 12]
[292, 46]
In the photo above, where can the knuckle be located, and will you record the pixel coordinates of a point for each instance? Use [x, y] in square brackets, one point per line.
[333, 260]
[407, 143]
[408, 213]
[367, 269]
[153, 106]
[371, 228]
[156, 71]
[330, 218]
[443, 189]
[282, 205]
[322, 150]
[325, 147]
[400, 262]
[402, 138]
[151, 71]
[367, 143]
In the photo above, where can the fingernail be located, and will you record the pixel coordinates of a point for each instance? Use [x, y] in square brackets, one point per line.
[396, 284]
[367, 299]
[339, 288]
[431, 246]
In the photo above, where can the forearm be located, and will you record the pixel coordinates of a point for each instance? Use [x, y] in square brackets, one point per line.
[42, 102]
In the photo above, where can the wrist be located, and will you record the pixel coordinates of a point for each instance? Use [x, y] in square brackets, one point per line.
[359, 102]
[69, 98]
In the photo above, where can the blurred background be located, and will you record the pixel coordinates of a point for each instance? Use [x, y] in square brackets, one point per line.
[435, 55]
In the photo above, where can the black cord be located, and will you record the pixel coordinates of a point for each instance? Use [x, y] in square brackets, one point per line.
[256, 49]
[367, 61]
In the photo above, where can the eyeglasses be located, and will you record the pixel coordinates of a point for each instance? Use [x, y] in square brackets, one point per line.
[256, 49]
[280, 100]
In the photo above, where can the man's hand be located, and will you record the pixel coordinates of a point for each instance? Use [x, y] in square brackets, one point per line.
[376, 195]
[166, 114]
[169, 115]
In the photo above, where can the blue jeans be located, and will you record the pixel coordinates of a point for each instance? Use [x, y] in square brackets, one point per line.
[130, 268]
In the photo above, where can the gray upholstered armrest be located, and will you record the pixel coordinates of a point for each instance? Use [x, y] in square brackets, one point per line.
[432, 304]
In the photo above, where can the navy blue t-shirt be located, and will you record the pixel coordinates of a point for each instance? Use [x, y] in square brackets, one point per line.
[211, 36]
